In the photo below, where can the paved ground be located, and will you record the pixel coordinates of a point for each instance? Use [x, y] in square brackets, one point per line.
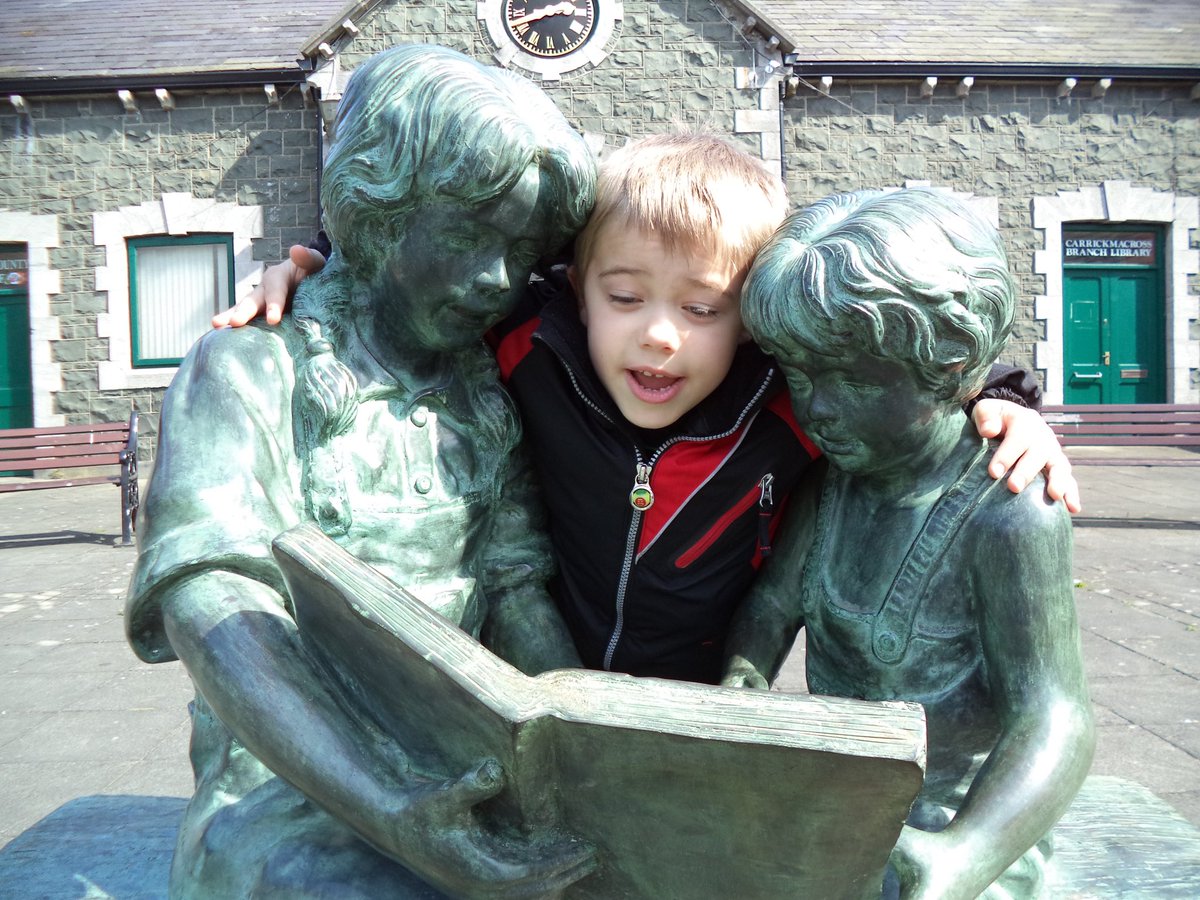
[93, 744]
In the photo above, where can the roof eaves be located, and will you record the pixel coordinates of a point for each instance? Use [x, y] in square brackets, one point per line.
[355, 11]
[189, 79]
[885, 70]
[767, 26]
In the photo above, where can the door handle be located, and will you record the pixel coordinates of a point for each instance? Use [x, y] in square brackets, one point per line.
[1107, 358]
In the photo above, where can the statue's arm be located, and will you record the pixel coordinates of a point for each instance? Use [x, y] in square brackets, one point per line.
[244, 654]
[523, 624]
[1021, 565]
[769, 618]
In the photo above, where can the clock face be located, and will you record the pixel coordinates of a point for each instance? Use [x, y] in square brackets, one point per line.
[547, 29]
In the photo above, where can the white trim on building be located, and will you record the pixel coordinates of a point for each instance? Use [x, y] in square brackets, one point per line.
[172, 214]
[39, 234]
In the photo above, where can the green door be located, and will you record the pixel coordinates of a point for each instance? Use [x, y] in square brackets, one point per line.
[16, 396]
[1114, 345]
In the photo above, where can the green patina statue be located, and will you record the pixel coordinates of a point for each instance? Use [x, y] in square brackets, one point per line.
[375, 412]
[918, 579]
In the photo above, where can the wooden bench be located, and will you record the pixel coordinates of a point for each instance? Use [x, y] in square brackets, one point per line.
[1128, 425]
[76, 447]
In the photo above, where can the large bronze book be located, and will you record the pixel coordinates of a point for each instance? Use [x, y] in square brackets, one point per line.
[685, 790]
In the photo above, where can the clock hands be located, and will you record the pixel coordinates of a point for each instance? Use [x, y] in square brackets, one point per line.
[565, 8]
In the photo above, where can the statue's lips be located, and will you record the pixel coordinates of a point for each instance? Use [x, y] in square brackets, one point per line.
[832, 444]
[473, 317]
[653, 387]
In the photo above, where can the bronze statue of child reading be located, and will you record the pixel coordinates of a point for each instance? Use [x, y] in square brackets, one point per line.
[376, 412]
[917, 579]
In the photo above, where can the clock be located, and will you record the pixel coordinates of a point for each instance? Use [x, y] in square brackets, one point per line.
[550, 29]
[550, 37]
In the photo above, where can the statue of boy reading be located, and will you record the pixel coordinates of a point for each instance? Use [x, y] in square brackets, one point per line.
[375, 412]
[920, 580]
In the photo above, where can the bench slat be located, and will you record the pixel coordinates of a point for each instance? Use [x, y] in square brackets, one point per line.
[59, 462]
[1098, 428]
[1124, 407]
[62, 452]
[69, 440]
[66, 429]
[1106, 440]
[8, 488]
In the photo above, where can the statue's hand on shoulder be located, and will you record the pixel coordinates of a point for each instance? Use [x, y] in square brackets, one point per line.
[439, 836]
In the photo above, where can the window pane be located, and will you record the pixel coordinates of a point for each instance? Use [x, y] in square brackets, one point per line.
[178, 290]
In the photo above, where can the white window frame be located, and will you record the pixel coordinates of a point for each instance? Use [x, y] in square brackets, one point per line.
[139, 314]
[173, 214]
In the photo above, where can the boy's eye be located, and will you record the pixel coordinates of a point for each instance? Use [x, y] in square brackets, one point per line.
[701, 312]
[623, 299]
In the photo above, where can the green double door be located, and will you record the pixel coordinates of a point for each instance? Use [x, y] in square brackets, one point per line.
[16, 394]
[1115, 338]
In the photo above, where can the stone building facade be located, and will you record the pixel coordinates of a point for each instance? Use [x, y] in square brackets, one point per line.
[116, 131]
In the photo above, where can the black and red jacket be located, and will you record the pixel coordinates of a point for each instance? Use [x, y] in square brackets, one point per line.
[649, 592]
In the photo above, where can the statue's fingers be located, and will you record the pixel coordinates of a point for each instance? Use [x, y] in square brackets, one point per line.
[481, 783]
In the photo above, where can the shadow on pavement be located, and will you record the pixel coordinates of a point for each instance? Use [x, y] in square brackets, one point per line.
[1166, 524]
[56, 539]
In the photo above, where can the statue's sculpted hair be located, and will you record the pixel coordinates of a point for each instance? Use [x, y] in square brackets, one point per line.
[694, 191]
[913, 276]
[419, 121]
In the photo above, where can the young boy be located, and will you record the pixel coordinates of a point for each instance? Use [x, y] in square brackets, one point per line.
[664, 438]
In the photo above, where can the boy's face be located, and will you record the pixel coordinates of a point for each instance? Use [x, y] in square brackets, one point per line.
[663, 324]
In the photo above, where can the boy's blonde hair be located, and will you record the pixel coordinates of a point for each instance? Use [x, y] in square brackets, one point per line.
[694, 191]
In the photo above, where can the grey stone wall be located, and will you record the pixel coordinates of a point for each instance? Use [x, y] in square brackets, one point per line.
[84, 155]
[1012, 141]
[672, 63]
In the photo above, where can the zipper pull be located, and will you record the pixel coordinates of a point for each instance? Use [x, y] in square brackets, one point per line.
[766, 509]
[641, 497]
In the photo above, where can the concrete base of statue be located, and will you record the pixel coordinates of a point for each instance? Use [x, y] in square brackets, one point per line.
[1116, 840]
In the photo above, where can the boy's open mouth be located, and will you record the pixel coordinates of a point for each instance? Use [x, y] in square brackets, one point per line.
[652, 387]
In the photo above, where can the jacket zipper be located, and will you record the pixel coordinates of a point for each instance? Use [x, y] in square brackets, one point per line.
[766, 509]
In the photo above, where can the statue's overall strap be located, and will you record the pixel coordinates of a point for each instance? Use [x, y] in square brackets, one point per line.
[893, 625]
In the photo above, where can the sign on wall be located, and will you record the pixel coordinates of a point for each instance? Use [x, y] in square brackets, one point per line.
[14, 267]
[1131, 248]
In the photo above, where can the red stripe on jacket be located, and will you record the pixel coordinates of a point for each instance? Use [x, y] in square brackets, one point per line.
[515, 346]
[681, 470]
[781, 405]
